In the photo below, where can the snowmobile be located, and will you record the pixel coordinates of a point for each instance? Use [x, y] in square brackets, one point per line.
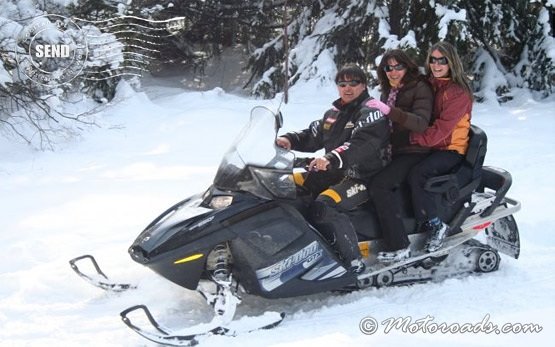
[250, 233]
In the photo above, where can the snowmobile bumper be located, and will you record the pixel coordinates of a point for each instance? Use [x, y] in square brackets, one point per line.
[182, 268]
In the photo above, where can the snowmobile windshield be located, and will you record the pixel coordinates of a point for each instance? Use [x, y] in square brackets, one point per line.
[254, 163]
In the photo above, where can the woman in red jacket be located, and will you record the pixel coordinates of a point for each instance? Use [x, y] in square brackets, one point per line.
[447, 137]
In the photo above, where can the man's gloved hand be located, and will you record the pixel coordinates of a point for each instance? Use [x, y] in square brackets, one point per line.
[302, 162]
[283, 142]
[374, 103]
[319, 164]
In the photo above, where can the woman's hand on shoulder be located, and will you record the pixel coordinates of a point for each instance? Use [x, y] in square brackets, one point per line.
[374, 103]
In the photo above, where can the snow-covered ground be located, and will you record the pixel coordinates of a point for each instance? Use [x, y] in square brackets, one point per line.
[95, 193]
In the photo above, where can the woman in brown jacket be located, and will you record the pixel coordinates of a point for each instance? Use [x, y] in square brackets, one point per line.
[407, 101]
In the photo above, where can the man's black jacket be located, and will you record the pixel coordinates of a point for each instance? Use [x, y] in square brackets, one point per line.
[355, 138]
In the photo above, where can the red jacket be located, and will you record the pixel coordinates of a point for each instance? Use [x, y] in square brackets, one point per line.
[452, 113]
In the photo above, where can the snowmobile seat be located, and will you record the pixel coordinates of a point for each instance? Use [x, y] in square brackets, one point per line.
[456, 188]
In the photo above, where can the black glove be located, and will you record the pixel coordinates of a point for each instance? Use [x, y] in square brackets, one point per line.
[302, 162]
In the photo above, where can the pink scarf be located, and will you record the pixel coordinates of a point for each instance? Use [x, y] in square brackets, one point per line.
[392, 97]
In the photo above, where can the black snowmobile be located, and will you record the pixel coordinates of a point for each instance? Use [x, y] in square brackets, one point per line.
[250, 233]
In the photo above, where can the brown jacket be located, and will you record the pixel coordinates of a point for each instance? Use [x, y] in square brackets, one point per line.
[412, 113]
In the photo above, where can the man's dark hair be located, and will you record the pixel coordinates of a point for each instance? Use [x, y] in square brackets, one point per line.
[351, 72]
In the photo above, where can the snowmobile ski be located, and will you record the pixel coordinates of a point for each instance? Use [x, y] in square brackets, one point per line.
[99, 279]
[224, 301]
[169, 337]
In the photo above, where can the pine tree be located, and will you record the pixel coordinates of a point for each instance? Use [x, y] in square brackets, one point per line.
[498, 40]
[537, 64]
[320, 33]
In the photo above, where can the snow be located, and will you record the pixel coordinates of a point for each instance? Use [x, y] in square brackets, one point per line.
[448, 15]
[311, 60]
[95, 193]
[492, 78]
[547, 3]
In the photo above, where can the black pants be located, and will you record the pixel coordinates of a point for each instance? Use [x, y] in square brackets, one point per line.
[318, 181]
[329, 217]
[436, 164]
[387, 198]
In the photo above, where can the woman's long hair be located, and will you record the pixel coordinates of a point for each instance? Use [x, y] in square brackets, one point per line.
[456, 70]
[402, 58]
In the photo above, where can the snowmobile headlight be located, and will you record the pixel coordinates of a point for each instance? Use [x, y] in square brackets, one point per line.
[220, 201]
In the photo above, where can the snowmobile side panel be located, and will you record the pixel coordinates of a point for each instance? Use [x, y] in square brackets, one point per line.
[283, 279]
[276, 247]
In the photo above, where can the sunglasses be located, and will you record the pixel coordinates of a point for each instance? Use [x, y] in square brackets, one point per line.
[440, 61]
[352, 83]
[398, 67]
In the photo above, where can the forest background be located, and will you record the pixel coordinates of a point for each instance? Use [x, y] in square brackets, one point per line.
[262, 47]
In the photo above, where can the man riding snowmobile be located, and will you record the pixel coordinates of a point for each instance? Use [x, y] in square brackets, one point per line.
[355, 139]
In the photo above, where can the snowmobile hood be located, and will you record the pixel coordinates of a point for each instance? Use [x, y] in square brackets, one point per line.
[182, 224]
[168, 224]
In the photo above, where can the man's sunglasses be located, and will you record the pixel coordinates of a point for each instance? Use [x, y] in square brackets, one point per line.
[440, 61]
[398, 67]
[352, 83]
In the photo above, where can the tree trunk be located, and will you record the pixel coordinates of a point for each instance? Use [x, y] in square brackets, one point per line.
[395, 16]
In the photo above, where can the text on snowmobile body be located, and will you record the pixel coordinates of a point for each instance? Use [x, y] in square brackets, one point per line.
[370, 325]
